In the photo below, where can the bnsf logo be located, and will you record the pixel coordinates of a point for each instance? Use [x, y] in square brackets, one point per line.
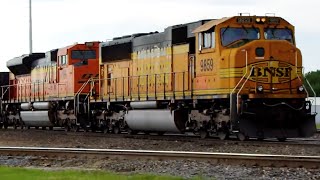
[271, 72]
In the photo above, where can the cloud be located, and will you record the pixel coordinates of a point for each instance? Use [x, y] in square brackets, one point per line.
[58, 23]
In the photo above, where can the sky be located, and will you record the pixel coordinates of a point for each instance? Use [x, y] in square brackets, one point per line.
[59, 23]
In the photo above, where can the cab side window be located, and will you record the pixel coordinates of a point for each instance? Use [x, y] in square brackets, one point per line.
[63, 60]
[207, 39]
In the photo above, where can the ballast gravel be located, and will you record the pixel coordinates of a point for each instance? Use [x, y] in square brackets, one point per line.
[183, 168]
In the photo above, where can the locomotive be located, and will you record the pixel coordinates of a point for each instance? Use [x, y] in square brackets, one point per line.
[238, 75]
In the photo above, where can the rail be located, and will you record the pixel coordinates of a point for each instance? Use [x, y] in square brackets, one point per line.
[252, 68]
[236, 87]
[149, 87]
[77, 96]
[300, 79]
[225, 158]
[24, 92]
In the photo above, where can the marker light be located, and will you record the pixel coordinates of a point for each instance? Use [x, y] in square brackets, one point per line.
[260, 89]
[263, 20]
[300, 88]
[258, 20]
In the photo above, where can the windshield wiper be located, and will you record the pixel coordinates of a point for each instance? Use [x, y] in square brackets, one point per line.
[225, 30]
[255, 29]
[245, 28]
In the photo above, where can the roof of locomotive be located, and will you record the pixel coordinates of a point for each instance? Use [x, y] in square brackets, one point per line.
[207, 26]
[171, 35]
[22, 64]
[210, 24]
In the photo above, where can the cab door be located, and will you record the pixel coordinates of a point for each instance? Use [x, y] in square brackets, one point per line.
[63, 76]
[110, 85]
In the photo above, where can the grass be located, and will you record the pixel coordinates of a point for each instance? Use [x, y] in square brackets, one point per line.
[36, 174]
[318, 126]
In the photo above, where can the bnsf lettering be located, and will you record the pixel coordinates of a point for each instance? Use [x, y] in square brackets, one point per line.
[273, 71]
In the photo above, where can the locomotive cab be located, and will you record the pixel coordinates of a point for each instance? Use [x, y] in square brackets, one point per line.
[77, 64]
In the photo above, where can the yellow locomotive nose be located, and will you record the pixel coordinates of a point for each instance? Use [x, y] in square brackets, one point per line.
[277, 71]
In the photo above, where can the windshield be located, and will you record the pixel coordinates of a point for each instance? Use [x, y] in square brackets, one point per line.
[279, 34]
[83, 54]
[235, 37]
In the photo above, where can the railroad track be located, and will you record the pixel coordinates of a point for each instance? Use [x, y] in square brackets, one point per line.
[306, 142]
[215, 158]
[190, 137]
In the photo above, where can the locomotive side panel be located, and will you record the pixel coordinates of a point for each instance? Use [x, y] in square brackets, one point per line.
[181, 71]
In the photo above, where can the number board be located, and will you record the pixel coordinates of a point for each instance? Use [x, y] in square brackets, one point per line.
[244, 20]
[206, 65]
[273, 20]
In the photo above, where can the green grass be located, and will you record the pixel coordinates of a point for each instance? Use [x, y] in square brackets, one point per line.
[318, 126]
[35, 174]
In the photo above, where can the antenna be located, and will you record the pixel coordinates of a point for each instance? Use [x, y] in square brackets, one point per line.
[30, 27]
[244, 14]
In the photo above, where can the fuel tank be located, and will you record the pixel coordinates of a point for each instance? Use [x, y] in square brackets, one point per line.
[26, 106]
[42, 105]
[37, 118]
[144, 105]
[157, 120]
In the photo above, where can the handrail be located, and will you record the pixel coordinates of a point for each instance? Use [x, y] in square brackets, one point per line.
[148, 77]
[3, 93]
[236, 87]
[31, 84]
[252, 68]
[296, 67]
[76, 96]
[314, 93]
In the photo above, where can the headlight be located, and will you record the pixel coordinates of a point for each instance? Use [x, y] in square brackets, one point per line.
[260, 89]
[300, 88]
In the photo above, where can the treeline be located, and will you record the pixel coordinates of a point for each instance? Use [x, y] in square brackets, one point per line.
[314, 79]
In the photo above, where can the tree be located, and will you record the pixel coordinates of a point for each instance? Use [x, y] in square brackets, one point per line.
[314, 79]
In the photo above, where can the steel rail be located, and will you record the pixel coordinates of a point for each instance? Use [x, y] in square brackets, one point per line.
[224, 158]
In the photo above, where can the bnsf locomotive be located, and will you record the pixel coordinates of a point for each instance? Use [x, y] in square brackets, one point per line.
[239, 75]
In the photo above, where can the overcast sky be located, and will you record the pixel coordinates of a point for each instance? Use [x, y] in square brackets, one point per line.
[58, 23]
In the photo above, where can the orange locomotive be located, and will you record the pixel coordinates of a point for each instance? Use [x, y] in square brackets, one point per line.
[43, 85]
[239, 75]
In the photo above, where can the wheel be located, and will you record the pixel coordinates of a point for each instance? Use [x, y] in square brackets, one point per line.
[132, 132]
[282, 139]
[223, 135]
[5, 125]
[242, 137]
[74, 128]
[203, 134]
[66, 128]
[37, 127]
[1, 125]
[260, 138]
[105, 130]
[51, 128]
[161, 133]
[43, 128]
[116, 130]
